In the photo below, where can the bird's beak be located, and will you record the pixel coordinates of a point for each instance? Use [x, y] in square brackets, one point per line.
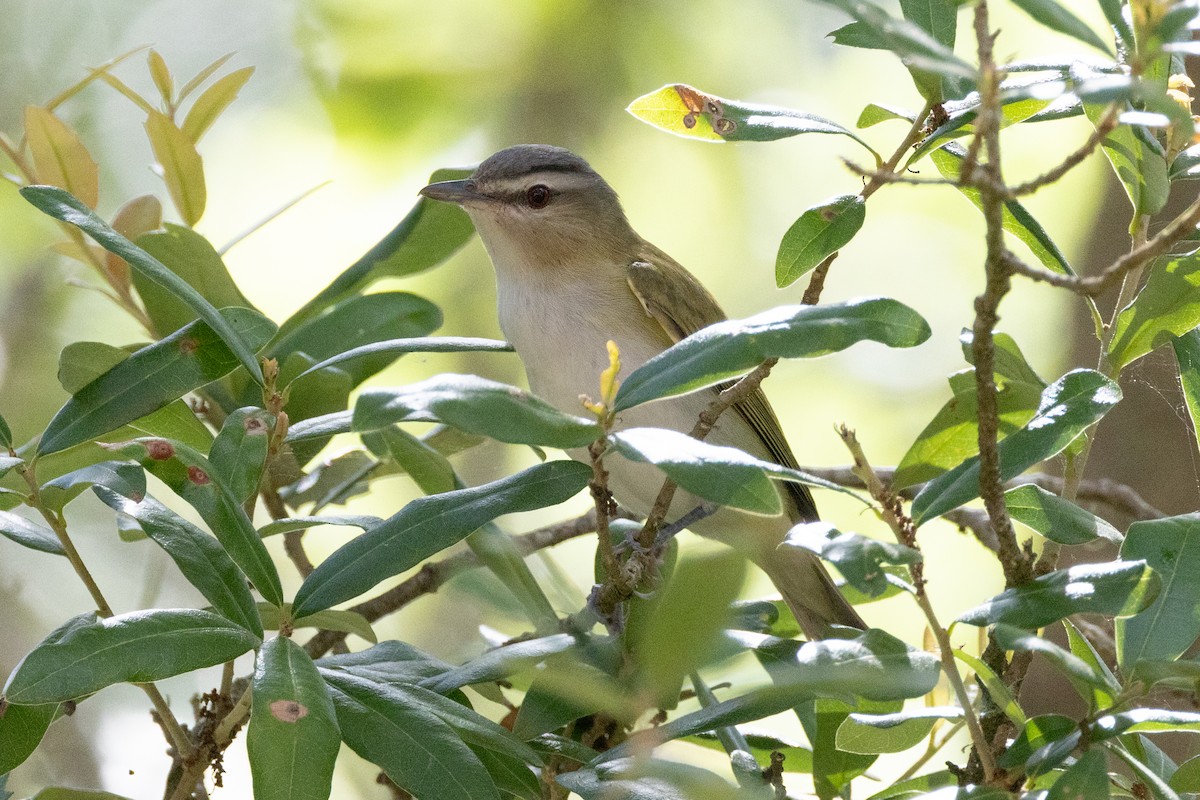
[458, 192]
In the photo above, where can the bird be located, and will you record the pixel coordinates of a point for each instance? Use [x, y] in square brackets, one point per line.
[571, 275]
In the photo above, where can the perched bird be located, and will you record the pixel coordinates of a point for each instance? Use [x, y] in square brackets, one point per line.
[571, 274]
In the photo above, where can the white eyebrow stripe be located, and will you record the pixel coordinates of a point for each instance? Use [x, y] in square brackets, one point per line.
[552, 178]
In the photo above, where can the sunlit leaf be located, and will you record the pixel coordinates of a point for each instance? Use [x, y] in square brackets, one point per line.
[1167, 306]
[891, 733]
[859, 559]
[1086, 679]
[29, 534]
[820, 231]
[59, 157]
[1169, 627]
[213, 101]
[1138, 161]
[239, 452]
[21, 731]
[647, 779]
[182, 168]
[161, 76]
[123, 477]
[1055, 518]
[1187, 359]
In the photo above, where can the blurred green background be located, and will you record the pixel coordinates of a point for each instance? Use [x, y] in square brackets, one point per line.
[371, 96]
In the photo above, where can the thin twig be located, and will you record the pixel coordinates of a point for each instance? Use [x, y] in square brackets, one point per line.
[905, 533]
[1103, 128]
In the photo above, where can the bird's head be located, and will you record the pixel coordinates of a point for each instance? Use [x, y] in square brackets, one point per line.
[538, 207]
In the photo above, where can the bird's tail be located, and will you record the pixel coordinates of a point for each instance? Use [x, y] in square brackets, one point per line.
[809, 591]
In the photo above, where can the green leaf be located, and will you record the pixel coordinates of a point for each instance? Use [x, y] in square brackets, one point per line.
[198, 555]
[891, 733]
[1057, 519]
[873, 114]
[859, 559]
[429, 469]
[1068, 407]
[286, 524]
[1082, 648]
[87, 653]
[1039, 736]
[1084, 677]
[1088, 777]
[952, 436]
[920, 786]
[192, 477]
[1116, 19]
[687, 111]
[61, 793]
[213, 101]
[1145, 720]
[429, 234]
[8, 463]
[938, 18]
[391, 662]
[128, 479]
[293, 737]
[21, 730]
[330, 619]
[182, 168]
[511, 776]
[200, 77]
[431, 524]
[1010, 364]
[194, 260]
[1116, 588]
[1057, 18]
[358, 322]
[1167, 306]
[1187, 358]
[820, 231]
[647, 779]
[415, 748]
[63, 206]
[475, 405]
[1165, 630]
[6, 439]
[502, 662]
[682, 634]
[1187, 777]
[1015, 219]
[419, 344]
[730, 348]
[239, 452]
[874, 665]
[1138, 161]
[29, 534]
[995, 687]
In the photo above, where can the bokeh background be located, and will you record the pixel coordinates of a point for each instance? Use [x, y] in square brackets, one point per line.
[368, 97]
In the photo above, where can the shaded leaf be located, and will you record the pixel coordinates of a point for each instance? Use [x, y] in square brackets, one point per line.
[430, 524]
[140, 215]
[646, 779]
[198, 555]
[891, 733]
[153, 377]
[995, 687]
[239, 452]
[59, 157]
[419, 344]
[1058, 18]
[1187, 359]
[1169, 626]
[475, 405]
[195, 261]
[87, 653]
[1138, 161]
[62, 205]
[1082, 648]
[21, 731]
[127, 479]
[301, 523]
[502, 662]
[1055, 518]
[390, 662]
[820, 231]
[733, 347]
[1118, 588]
[1167, 306]
[293, 737]
[1068, 407]
[182, 168]
[1084, 677]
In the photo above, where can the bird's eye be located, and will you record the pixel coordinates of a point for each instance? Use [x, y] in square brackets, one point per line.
[538, 196]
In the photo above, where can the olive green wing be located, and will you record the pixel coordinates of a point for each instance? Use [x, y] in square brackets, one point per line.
[681, 305]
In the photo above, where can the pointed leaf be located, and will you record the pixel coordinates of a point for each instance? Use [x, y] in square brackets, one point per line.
[1167, 306]
[417, 750]
[820, 231]
[301, 523]
[293, 737]
[140, 215]
[733, 347]
[418, 344]
[199, 557]
[239, 452]
[1057, 519]
[191, 476]
[1138, 161]
[1187, 359]
[127, 479]
[431, 524]
[62, 205]
[21, 731]
[161, 76]
[29, 534]
[1081, 648]
[87, 653]
[6, 439]
[1088, 777]
[502, 662]
[194, 260]
[390, 662]
[1169, 627]
[1068, 407]
[687, 111]
[475, 405]
[59, 157]
[182, 168]
[203, 75]
[1117, 588]
[1082, 676]
[153, 377]
[647, 779]
[1057, 18]
[891, 733]
[213, 101]
[859, 559]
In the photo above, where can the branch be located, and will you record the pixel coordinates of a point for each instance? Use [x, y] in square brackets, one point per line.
[1103, 128]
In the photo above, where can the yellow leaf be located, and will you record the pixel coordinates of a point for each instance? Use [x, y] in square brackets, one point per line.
[214, 100]
[59, 157]
[676, 108]
[83, 253]
[182, 169]
[140, 215]
[161, 76]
